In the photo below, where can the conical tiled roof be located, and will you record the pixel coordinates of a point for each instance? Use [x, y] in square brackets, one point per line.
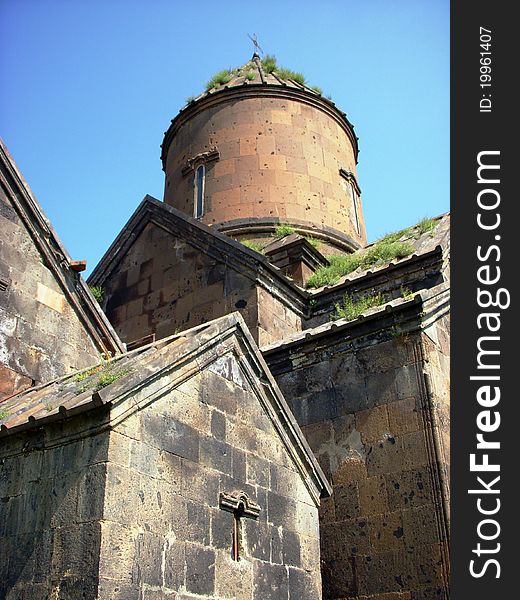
[257, 75]
[256, 72]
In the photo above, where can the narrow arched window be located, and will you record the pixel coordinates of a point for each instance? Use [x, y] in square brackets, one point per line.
[353, 192]
[353, 198]
[200, 177]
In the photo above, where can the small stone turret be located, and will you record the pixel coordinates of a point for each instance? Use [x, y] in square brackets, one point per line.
[259, 149]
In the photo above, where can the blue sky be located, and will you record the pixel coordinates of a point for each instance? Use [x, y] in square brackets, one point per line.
[89, 87]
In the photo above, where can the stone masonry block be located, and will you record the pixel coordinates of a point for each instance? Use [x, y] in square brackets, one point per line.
[409, 489]
[344, 538]
[198, 523]
[258, 471]
[403, 416]
[346, 501]
[303, 586]
[218, 425]
[233, 579]
[270, 582]
[386, 532]
[257, 537]
[148, 559]
[215, 454]
[372, 423]
[200, 570]
[291, 548]
[174, 562]
[200, 483]
[373, 497]
[339, 578]
[420, 526]
[173, 436]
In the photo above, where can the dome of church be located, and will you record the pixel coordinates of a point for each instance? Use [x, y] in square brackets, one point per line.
[260, 148]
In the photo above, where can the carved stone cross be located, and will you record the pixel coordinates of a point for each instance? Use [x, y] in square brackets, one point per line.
[240, 505]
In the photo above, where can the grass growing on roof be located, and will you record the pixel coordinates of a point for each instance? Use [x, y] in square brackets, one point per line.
[84, 374]
[283, 230]
[284, 73]
[378, 254]
[4, 414]
[391, 246]
[98, 292]
[425, 225]
[315, 243]
[350, 309]
[109, 376]
[269, 63]
[252, 246]
[107, 373]
[220, 78]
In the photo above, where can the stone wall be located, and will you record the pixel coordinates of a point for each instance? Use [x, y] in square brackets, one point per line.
[52, 484]
[41, 335]
[164, 529]
[164, 285]
[363, 404]
[134, 511]
[436, 343]
[275, 320]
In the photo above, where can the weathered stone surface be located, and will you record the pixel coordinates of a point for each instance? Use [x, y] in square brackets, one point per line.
[200, 570]
[172, 278]
[49, 325]
[135, 508]
[361, 408]
[270, 582]
[278, 157]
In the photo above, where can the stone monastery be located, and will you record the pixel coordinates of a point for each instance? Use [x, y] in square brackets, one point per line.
[258, 406]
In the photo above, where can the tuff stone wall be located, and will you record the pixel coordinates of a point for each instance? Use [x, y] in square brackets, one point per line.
[52, 485]
[165, 524]
[133, 512]
[279, 159]
[41, 335]
[436, 341]
[365, 409]
[275, 319]
[164, 285]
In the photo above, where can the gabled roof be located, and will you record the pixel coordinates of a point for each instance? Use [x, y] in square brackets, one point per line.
[56, 256]
[209, 241]
[400, 316]
[435, 242]
[171, 361]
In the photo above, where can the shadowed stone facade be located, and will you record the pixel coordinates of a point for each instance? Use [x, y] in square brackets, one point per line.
[49, 323]
[166, 272]
[120, 494]
[371, 400]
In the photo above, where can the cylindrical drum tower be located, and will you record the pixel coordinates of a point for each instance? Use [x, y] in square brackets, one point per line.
[258, 150]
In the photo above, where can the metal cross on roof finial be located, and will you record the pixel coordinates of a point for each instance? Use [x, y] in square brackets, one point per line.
[254, 39]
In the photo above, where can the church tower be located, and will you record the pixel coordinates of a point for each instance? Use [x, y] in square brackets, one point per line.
[266, 436]
[258, 149]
